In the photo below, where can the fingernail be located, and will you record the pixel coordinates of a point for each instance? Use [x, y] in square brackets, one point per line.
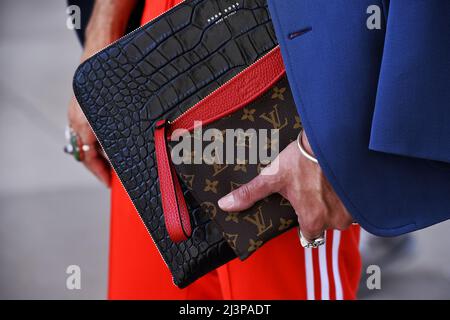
[226, 202]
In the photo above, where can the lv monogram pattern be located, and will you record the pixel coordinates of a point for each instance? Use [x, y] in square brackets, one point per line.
[246, 231]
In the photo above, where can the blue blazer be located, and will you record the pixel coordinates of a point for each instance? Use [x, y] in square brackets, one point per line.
[375, 103]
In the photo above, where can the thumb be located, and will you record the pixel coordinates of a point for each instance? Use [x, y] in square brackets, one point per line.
[246, 195]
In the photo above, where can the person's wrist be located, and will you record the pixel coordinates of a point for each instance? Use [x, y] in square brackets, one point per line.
[100, 34]
[97, 36]
[305, 143]
[93, 46]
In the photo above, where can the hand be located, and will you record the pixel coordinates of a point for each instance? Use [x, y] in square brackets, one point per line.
[94, 160]
[108, 22]
[303, 184]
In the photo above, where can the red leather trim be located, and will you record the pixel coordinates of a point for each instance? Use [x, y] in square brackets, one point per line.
[176, 214]
[235, 94]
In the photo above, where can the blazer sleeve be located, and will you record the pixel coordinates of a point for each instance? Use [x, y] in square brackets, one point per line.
[412, 110]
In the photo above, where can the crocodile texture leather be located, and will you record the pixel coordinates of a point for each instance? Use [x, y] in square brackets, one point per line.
[157, 72]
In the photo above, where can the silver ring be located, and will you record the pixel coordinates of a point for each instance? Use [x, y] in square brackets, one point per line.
[302, 149]
[74, 147]
[317, 242]
[69, 149]
[85, 147]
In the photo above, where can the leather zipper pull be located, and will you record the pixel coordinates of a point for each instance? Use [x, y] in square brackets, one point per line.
[176, 213]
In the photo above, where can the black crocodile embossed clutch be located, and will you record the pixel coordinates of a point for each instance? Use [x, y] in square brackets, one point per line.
[159, 71]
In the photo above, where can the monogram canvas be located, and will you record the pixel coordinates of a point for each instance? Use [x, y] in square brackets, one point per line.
[246, 231]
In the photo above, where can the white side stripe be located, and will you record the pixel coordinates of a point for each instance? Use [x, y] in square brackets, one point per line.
[310, 293]
[325, 287]
[337, 275]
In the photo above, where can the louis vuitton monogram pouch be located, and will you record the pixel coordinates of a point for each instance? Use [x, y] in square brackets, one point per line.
[226, 140]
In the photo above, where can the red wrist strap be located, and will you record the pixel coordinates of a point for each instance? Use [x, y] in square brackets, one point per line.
[176, 214]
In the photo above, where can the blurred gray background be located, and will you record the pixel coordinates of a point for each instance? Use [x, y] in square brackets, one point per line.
[53, 213]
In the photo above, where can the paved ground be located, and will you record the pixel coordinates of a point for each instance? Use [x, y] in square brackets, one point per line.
[54, 214]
